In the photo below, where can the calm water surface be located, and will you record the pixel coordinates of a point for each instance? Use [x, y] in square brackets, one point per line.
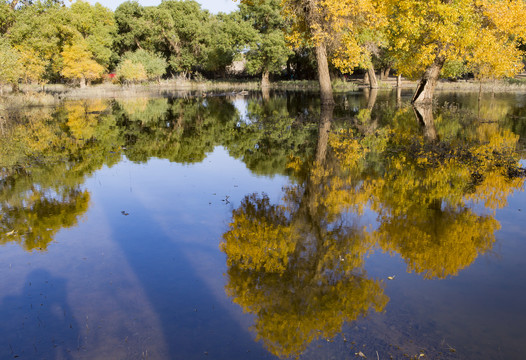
[250, 227]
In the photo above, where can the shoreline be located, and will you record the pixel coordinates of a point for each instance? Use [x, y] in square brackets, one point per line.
[52, 93]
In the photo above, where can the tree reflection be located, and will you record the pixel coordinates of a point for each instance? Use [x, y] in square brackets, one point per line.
[298, 265]
[46, 155]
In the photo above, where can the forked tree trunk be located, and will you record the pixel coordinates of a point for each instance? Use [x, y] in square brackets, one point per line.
[424, 115]
[426, 87]
[373, 83]
[265, 79]
[323, 75]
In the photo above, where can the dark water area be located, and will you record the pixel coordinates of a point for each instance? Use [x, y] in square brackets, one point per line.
[255, 226]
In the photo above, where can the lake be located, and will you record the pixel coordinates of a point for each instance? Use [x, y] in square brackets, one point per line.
[250, 226]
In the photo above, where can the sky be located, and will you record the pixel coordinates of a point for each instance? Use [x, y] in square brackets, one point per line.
[214, 6]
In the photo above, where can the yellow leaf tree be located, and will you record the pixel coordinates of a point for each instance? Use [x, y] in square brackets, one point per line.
[484, 34]
[332, 28]
[79, 64]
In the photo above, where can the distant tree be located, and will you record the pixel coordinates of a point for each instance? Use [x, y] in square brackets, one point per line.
[79, 63]
[128, 71]
[96, 25]
[269, 53]
[9, 65]
[154, 65]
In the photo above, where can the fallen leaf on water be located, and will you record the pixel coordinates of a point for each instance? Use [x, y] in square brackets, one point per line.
[361, 354]
[391, 277]
[10, 233]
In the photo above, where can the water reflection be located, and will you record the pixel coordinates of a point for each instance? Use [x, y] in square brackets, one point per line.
[433, 178]
[297, 265]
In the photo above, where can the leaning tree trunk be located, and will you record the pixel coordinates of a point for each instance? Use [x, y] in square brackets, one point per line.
[265, 79]
[426, 87]
[373, 83]
[323, 75]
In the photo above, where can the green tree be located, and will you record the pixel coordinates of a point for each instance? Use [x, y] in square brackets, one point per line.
[96, 25]
[10, 71]
[154, 65]
[269, 53]
[128, 71]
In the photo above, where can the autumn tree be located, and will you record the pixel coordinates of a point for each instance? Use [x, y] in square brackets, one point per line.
[331, 27]
[79, 63]
[425, 35]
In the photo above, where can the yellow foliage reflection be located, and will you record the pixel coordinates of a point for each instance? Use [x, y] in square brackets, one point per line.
[298, 265]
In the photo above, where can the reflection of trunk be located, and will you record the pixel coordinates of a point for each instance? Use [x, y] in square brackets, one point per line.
[265, 93]
[323, 75]
[323, 133]
[265, 79]
[371, 98]
[426, 87]
[373, 84]
[399, 97]
[424, 114]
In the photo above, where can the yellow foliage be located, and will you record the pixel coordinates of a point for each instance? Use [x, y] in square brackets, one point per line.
[79, 63]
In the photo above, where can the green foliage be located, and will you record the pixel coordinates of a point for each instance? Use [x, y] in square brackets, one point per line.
[154, 65]
[9, 67]
[128, 71]
[268, 52]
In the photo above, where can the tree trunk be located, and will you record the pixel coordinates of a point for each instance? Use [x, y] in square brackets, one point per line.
[82, 82]
[424, 114]
[386, 72]
[426, 87]
[15, 87]
[399, 81]
[265, 79]
[366, 78]
[373, 84]
[323, 75]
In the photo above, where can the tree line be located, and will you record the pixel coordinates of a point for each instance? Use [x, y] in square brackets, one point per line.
[45, 41]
